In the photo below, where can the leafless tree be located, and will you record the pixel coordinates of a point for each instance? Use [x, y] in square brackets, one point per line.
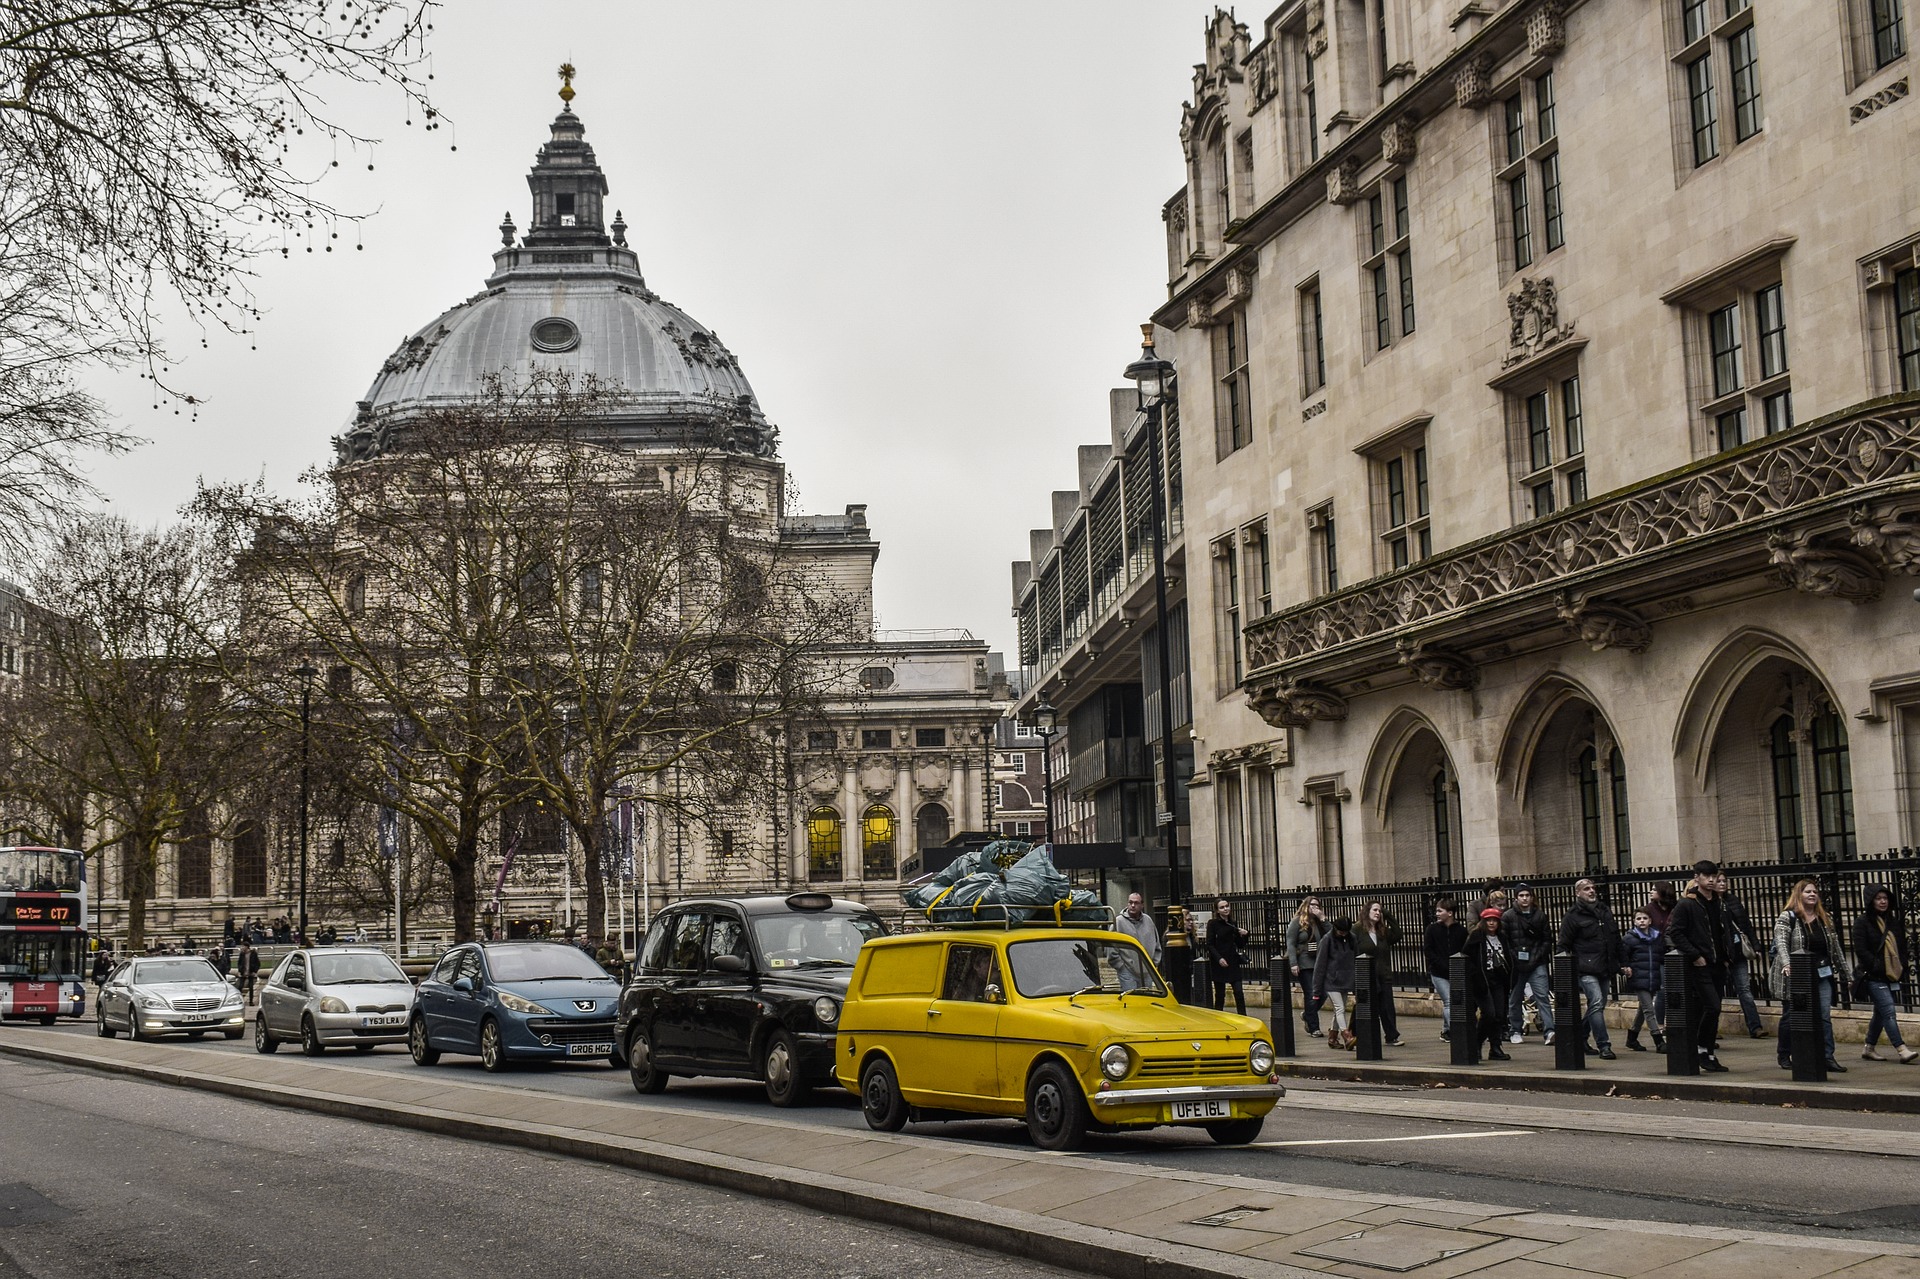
[150, 150]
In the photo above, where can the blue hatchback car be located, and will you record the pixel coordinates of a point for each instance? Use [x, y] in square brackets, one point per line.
[515, 1001]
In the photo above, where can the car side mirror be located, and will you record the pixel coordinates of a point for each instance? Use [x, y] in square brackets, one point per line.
[729, 964]
[463, 984]
[296, 983]
[995, 995]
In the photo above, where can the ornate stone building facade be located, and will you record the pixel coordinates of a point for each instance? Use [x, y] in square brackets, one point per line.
[1550, 404]
[902, 759]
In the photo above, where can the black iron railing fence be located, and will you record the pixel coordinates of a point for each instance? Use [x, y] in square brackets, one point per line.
[1761, 886]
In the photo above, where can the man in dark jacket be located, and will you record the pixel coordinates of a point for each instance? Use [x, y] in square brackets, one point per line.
[1445, 936]
[1698, 933]
[1743, 944]
[1588, 933]
[246, 962]
[1529, 940]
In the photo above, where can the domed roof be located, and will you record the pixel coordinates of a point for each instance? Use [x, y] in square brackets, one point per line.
[569, 298]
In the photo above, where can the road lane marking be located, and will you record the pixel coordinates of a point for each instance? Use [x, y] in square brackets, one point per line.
[1425, 1136]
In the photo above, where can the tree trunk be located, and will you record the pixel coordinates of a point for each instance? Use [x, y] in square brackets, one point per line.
[593, 837]
[140, 884]
[465, 866]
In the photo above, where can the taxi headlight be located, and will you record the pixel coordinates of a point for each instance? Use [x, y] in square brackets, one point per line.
[1116, 1061]
[332, 1004]
[1260, 1057]
[514, 1004]
[827, 1010]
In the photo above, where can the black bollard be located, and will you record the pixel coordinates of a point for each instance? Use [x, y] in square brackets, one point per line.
[1177, 968]
[1366, 1018]
[1280, 1005]
[1803, 1014]
[1682, 1059]
[1202, 966]
[1570, 1043]
[1464, 1010]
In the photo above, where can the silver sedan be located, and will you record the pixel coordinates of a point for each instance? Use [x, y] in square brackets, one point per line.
[334, 995]
[161, 995]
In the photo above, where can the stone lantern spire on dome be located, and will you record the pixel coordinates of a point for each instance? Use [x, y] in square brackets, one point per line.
[569, 190]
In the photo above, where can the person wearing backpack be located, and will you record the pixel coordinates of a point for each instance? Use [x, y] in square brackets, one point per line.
[1880, 949]
[1333, 979]
[1804, 929]
[1644, 948]
[1304, 933]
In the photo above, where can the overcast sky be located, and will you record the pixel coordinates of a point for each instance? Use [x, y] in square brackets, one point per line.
[929, 231]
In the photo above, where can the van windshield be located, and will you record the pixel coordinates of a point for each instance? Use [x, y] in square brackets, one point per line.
[1081, 965]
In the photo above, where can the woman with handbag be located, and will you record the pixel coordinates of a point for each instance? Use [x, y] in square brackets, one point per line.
[1880, 948]
[1490, 980]
[1226, 957]
[1805, 929]
[1375, 935]
[1304, 931]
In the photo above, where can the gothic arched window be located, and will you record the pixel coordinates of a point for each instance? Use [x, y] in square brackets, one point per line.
[1442, 825]
[1784, 755]
[823, 844]
[1833, 785]
[933, 827]
[876, 843]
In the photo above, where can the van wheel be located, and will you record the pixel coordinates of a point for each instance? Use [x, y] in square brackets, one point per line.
[1056, 1112]
[780, 1068]
[648, 1080]
[880, 1099]
[424, 1053]
[1236, 1132]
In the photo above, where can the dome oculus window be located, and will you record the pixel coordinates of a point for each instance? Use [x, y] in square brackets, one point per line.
[556, 334]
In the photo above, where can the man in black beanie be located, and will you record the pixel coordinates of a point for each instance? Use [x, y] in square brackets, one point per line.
[1698, 933]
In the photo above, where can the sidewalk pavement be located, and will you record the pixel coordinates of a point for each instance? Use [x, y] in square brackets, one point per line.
[1058, 1209]
[1754, 1074]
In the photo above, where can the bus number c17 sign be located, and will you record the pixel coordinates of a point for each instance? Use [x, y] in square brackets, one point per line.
[43, 912]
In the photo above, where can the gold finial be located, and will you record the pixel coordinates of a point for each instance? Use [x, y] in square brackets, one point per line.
[1146, 337]
[566, 85]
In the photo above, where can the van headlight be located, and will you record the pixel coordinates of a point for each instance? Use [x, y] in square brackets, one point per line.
[1116, 1061]
[826, 1010]
[1260, 1057]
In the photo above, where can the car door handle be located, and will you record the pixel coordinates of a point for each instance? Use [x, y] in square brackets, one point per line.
[935, 1012]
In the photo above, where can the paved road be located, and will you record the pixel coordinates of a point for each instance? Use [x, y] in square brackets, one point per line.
[1514, 1157]
[112, 1178]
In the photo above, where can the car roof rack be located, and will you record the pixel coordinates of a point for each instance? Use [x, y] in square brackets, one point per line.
[1006, 916]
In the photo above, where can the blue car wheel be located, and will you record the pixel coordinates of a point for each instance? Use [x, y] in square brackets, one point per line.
[493, 1053]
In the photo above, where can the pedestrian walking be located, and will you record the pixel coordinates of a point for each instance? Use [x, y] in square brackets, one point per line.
[217, 956]
[1137, 924]
[1304, 933]
[1375, 935]
[103, 964]
[1660, 904]
[1880, 952]
[1805, 926]
[1490, 979]
[1226, 957]
[1445, 936]
[1588, 933]
[1333, 979]
[246, 962]
[1743, 949]
[1644, 950]
[1697, 931]
[1529, 939]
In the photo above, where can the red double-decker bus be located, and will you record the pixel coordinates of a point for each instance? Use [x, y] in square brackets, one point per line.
[43, 933]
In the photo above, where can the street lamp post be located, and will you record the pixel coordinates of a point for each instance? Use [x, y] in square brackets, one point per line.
[780, 858]
[306, 674]
[1046, 722]
[1152, 378]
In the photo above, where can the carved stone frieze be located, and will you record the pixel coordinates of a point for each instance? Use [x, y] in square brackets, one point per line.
[1891, 539]
[1801, 562]
[930, 777]
[1176, 214]
[1473, 83]
[1754, 488]
[413, 351]
[1343, 183]
[1288, 703]
[1546, 30]
[1437, 667]
[1533, 313]
[1875, 102]
[1263, 75]
[1601, 626]
[1240, 282]
[823, 782]
[1397, 140]
[1316, 28]
[1199, 313]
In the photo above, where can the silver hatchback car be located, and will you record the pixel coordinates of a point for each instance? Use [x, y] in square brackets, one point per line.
[169, 995]
[334, 995]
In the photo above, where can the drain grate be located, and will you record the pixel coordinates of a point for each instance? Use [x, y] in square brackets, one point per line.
[1226, 1217]
[1399, 1246]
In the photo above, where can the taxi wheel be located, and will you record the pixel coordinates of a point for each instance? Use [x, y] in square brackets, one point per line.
[493, 1053]
[310, 1038]
[424, 1053]
[880, 1099]
[1056, 1112]
[780, 1068]
[1236, 1132]
[103, 1029]
[263, 1040]
[646, 1079]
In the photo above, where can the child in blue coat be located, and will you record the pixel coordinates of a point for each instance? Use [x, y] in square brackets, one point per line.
[1645, 948]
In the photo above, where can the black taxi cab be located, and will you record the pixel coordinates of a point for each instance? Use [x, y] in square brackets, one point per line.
[742, 988]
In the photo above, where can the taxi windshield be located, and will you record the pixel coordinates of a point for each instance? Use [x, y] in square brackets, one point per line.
[153, 972]
[355, 968]
[1081, 966]
[814, 941]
